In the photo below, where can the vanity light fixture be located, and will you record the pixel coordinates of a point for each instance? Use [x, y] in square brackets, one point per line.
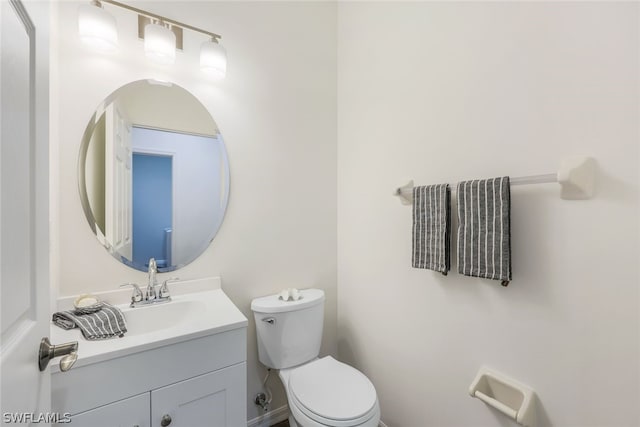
[213, 58]
[162, 36]
[97, 27]
[160, 43]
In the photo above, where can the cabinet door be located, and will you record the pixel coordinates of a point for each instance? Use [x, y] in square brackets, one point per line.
[131, 412]
[216, 399]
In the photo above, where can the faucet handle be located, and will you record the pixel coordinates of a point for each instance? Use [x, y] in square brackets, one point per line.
[136, 296]
[164, 290]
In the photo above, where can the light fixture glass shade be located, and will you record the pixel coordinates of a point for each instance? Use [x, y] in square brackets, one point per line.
[160, 44]
[213, 59]
[97, 28]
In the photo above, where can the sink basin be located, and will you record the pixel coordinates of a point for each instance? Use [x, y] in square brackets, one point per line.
[197, 309]
[157, 317]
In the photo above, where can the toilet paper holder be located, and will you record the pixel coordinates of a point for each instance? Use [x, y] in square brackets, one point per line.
[512, 398]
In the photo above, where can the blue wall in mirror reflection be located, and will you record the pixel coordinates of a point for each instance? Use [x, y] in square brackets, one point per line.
[152, 208]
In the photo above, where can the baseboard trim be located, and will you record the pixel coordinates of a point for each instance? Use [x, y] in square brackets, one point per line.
[270, 418]
[278, 415]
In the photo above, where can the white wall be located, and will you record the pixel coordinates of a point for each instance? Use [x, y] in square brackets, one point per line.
[440, 92]
[276, 112]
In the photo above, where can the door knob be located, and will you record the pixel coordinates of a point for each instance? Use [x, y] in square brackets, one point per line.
[166, 420]
[48, 351]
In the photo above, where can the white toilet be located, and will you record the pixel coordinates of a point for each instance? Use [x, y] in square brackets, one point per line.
[321, 392]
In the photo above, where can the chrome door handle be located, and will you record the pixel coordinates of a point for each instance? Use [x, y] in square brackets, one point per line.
[269, 320]
[166, 420]
[48, 351]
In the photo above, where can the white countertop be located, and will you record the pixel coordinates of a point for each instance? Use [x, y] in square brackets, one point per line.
[192, 315]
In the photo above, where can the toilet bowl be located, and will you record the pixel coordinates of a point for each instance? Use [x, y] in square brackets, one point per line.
[326, 392]
[320, 392]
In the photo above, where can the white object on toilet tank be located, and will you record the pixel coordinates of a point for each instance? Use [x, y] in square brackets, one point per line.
[290, 294]
[289, 332]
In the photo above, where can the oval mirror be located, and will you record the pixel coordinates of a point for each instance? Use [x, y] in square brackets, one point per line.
[153, 175]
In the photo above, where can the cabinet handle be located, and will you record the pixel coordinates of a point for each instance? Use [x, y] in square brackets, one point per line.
[166, 420]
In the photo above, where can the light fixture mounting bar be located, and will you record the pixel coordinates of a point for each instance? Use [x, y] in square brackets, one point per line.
[163, 19]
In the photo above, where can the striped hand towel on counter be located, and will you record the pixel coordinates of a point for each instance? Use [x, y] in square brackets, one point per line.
[431, 224]
[484, 231]
[107, 322]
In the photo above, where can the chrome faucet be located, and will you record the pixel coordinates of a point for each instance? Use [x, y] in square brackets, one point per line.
[151, 287]
[152, 295]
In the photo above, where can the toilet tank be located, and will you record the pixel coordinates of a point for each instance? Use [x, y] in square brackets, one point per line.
[289, 332]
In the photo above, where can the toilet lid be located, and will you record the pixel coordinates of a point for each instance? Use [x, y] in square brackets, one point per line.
[332, 390]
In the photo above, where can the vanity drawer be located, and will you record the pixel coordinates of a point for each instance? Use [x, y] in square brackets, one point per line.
[86, 387]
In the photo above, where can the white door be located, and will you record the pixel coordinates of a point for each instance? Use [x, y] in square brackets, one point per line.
[118, 182]
[24, 207]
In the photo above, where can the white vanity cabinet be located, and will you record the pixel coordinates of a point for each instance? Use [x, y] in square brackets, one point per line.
[189, 374]
[130, 412]
[200, 382]
[214, 399]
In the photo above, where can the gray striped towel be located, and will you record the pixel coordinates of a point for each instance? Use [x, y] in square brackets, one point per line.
[108, 322]
[431, 224]
[484, 228]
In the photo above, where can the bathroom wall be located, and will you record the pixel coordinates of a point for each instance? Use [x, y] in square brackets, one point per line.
[441, 92]
[276, 112]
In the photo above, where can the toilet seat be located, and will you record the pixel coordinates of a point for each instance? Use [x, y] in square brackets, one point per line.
[332, 393]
